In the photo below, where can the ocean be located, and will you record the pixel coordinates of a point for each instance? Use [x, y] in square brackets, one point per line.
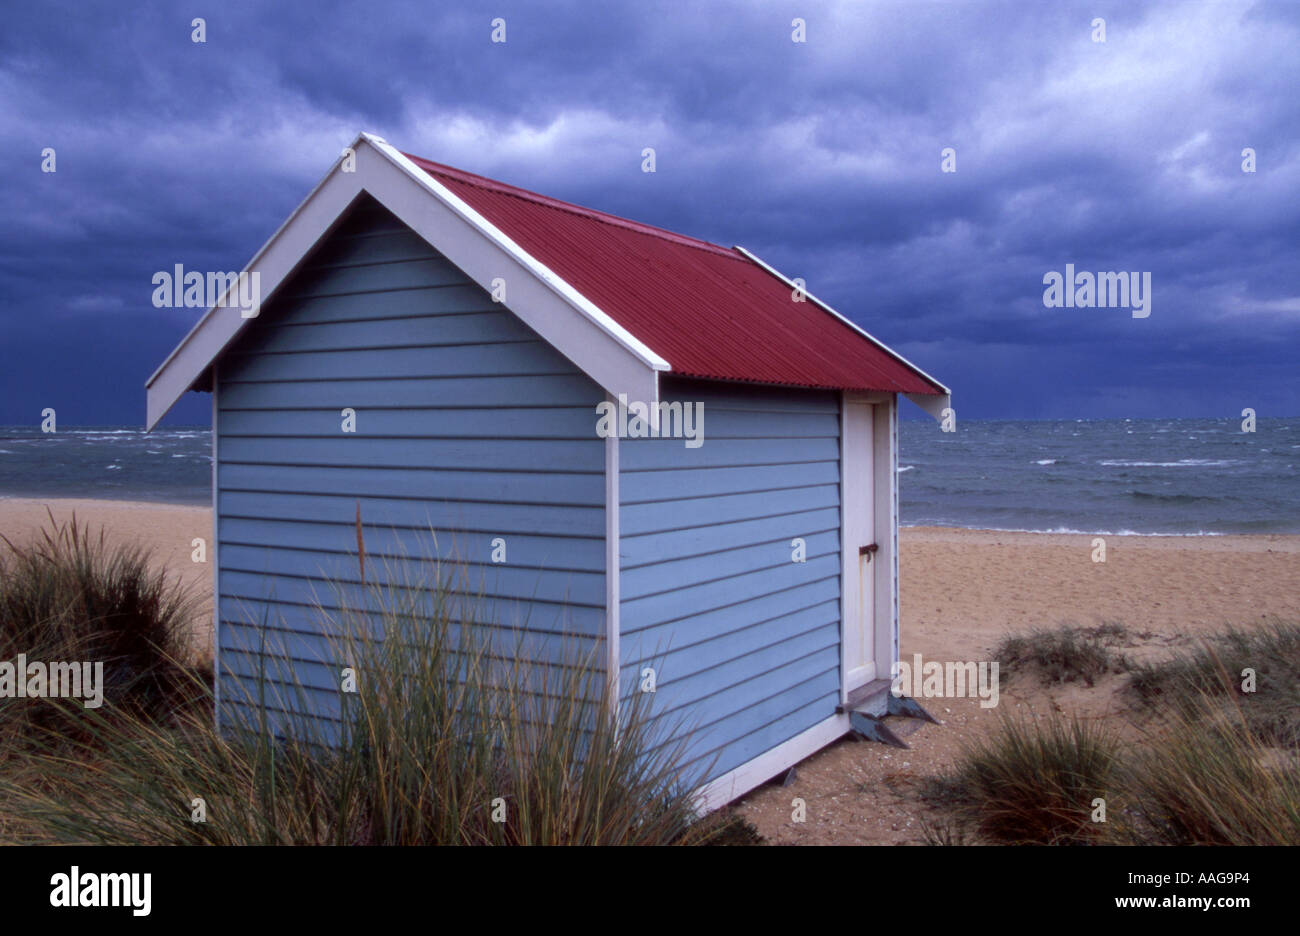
[172, 466]
[1111, 476]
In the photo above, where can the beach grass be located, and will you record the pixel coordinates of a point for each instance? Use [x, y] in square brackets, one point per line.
[70, 596]
[1255, 672]
[1064, 654]
[1211, 780]
[1031, 782]
[452, 738]
[445, 741]
[1217, 763]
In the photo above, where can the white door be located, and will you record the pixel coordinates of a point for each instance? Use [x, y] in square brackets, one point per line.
[859, 651]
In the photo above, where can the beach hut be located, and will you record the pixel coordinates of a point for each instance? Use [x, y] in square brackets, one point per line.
[640, 439]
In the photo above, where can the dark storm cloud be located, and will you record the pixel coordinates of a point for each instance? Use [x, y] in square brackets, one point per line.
[822, 157]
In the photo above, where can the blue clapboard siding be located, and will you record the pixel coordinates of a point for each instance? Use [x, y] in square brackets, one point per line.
[469, 427]
[744, 641]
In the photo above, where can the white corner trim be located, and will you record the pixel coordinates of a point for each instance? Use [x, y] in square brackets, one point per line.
[884, 458]
[857, 328]
[736, 783]
[896, 620]
[584, 334]
[844, 565]
[613, 658]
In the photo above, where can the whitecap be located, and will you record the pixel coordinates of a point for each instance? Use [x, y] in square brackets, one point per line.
[1124, 531]
[1181, 463]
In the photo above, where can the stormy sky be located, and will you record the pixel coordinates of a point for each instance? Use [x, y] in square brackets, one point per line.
[824, 157]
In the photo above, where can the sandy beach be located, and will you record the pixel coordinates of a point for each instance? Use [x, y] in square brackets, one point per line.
[962, 591]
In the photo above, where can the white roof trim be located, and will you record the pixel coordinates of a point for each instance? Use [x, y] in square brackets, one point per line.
[539, 269]
[598, 345]
[879, 344]
[251, 265]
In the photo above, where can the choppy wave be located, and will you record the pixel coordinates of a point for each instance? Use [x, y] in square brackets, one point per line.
[1071, 531]
[1175, 498]
[1181, 463]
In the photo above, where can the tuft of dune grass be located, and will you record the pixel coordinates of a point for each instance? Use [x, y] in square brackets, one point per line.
[1032, 782]
[69, 596]
[1220, 673]
[1209, 780]
[1064, 654]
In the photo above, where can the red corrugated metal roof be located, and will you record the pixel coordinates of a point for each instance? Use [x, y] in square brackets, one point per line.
[708, 310]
